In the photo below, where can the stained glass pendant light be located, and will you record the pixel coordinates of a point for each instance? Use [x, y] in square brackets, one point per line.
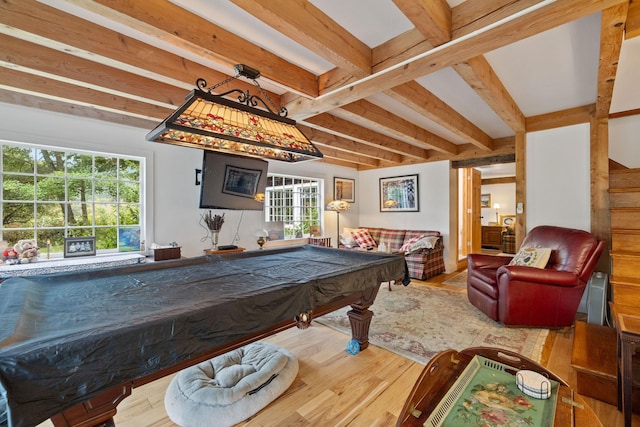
[213, 122]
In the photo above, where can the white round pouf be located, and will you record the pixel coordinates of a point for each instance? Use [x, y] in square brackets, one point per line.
[230, 388]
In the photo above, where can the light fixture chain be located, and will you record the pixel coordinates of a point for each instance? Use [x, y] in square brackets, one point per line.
[282, 111]
[217, 85]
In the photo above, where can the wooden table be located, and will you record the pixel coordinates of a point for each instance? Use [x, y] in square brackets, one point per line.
[219, 252]
[73, 345]
[492, 236]
[442, 371]
[627, 323]
[320, 241]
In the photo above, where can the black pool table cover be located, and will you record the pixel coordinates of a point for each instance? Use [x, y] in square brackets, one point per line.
[66, 337]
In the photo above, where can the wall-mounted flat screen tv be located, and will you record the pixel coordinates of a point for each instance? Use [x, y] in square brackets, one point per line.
[232, 182]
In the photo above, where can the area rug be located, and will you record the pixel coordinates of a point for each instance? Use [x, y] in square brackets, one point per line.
[419, 321]
[459, 279]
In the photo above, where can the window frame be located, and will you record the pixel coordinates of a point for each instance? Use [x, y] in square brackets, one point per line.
[296, 222]
[122, 204]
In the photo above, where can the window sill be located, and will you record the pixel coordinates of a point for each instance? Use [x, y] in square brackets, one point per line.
[58, 265]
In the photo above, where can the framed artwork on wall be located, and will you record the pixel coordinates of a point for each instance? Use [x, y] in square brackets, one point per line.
[485, 201]
[399, 194]
[232, 182]
[241, 181]
[507, 220]
[79, 246]
[344, 189]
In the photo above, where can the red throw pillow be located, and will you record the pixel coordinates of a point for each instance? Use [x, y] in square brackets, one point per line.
[364, 239]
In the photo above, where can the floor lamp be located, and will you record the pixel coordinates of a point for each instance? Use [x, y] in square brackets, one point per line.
[338, 206]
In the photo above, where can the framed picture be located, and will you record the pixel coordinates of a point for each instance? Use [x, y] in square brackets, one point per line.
[79, 246]
[344, 189]
[399, 194]
[128, 239]
[507, 220]
[315, 231]
[241, 181]
[485, 201]
[232, 182]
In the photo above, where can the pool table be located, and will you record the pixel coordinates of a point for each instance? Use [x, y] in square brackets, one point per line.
[73, 345]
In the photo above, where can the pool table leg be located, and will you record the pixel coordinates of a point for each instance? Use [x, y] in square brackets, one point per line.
[360, 317]
[95, 412]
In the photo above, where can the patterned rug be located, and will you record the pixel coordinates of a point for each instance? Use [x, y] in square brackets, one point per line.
[419, 321]
[459, 279]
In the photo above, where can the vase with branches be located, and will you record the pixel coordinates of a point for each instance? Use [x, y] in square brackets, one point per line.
[212, 223]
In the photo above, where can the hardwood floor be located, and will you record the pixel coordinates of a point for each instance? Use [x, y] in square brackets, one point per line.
[334, 388]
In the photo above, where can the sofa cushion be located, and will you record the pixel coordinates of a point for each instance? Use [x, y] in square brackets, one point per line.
[364, 239]
[375, 233]
[392, 239]
[418, 243]
[346, 238]
[532, 257]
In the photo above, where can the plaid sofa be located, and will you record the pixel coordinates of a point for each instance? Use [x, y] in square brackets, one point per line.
[422, 265]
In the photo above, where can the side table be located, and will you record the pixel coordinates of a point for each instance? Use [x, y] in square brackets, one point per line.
[320, 241]
[627, 323]
[441, 372]
[219, 252]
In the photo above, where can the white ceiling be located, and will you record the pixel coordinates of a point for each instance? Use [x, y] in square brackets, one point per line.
[546, 73]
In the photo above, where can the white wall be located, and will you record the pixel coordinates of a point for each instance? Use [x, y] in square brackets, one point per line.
[433, 202]
[558, 178]
[327, 173]
[624, 141]
[172, 212]
[505, 196]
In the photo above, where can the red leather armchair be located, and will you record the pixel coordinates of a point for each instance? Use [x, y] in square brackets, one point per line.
[529, 296]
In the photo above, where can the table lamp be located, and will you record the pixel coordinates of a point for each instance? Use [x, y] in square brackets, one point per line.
[496, 206]
[261, 235]
[338, 206]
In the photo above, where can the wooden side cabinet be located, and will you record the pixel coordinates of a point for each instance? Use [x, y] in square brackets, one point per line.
[219, 252]
[492, 236]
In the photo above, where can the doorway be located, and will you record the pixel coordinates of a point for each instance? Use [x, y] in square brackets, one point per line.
[469, 240]
[476, 185]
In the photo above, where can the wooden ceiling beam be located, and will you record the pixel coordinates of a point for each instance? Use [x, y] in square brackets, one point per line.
[472, 15]
[556, 119]
[173, 24]
[626, 113]
[58, 106]
[416, 97]
[336, 162]
[401, 48]
[365, 111]
[64, 67]
[500, 180]
[326, 139]
[304, 23]
[431, 17]
[332, 153]
[465, 17]
[54, 29]
[484, 161]
[529, 24]
[341, 127]
[477, 72]
[30, 83]
[611, 36]
[632, 27]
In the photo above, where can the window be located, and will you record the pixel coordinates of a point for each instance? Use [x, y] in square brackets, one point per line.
[296, 202]
[50, 193]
